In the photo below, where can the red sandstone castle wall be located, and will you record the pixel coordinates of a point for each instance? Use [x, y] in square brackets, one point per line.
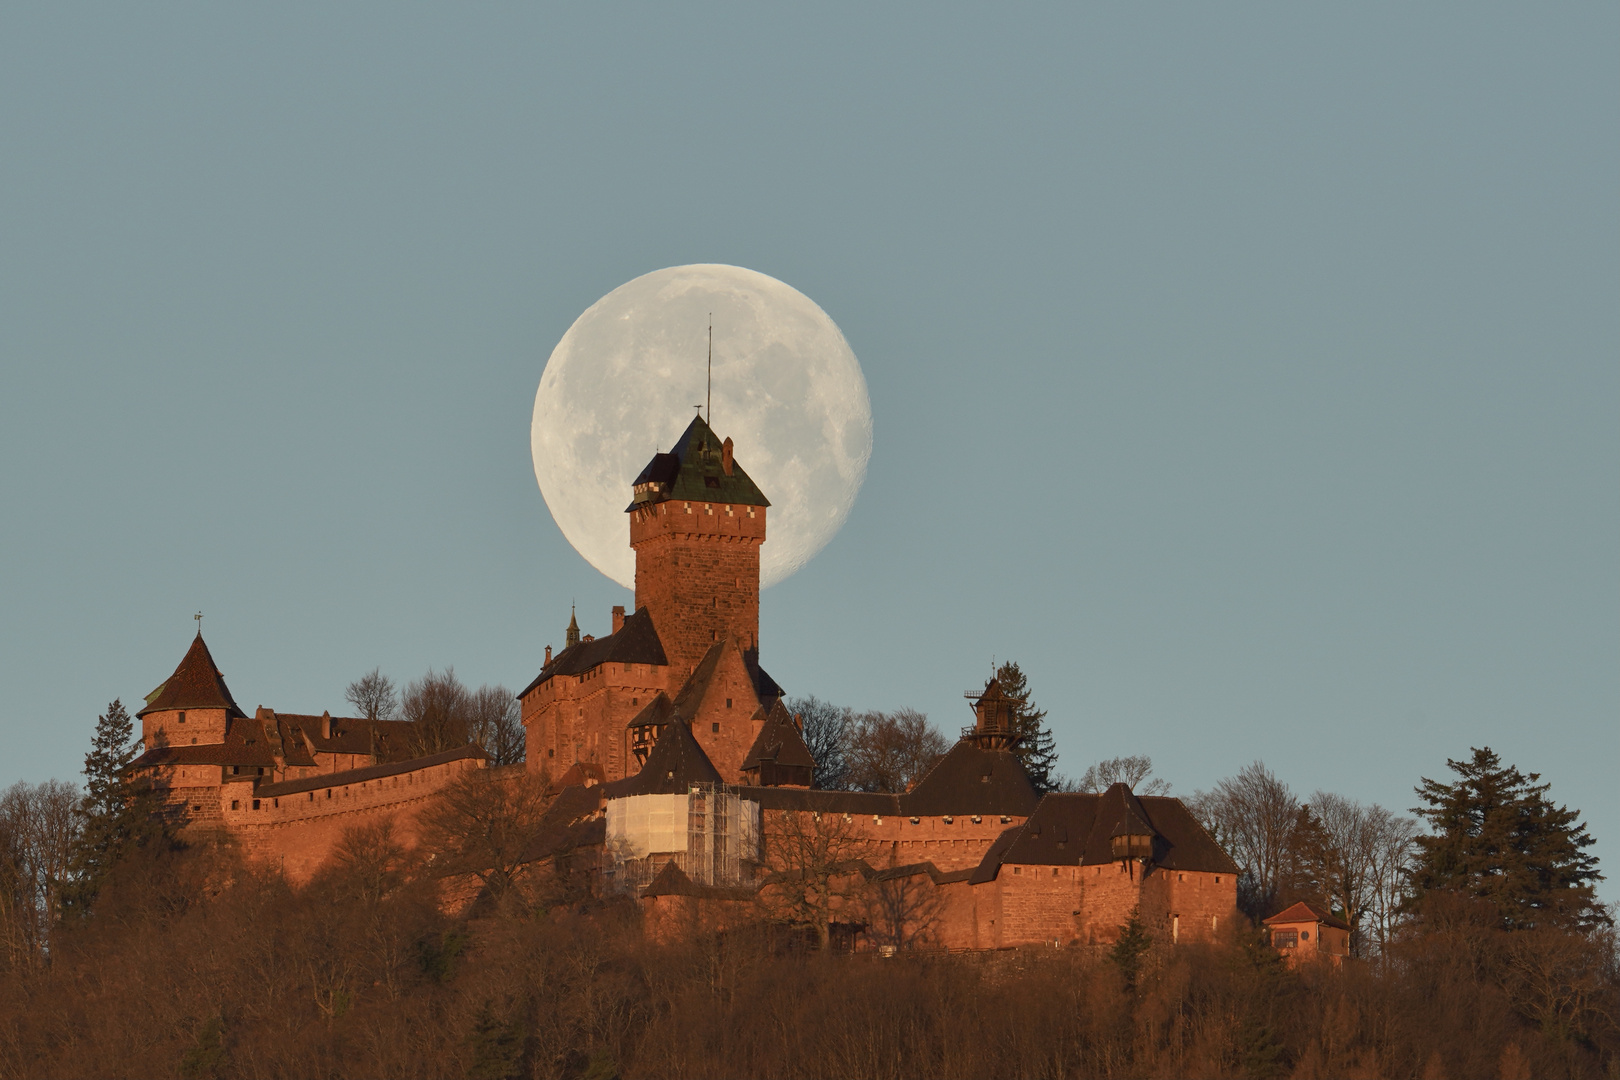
[299, 831]
[697, 573]
[166, 728]
[571, 718]
[723, 724]
[884, 840]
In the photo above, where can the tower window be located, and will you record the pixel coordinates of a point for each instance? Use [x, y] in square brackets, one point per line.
[236, 804]
[728, 703]
[182, 718]
[715, 728]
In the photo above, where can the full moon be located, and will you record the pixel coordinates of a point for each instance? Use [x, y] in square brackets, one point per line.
[622, 383]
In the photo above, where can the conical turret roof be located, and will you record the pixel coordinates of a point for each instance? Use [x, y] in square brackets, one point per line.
[675, 763]
[195, 684]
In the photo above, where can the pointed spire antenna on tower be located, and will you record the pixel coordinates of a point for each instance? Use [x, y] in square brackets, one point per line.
[708, 411]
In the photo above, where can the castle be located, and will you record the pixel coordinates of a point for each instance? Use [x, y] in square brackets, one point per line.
[686, 784]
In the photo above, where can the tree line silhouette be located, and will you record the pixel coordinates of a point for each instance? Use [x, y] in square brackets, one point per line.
[130, 949]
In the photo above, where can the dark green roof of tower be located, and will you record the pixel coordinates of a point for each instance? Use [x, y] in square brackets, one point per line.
[693, 471]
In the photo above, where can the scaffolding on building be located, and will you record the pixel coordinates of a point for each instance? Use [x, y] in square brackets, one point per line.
[721, 837]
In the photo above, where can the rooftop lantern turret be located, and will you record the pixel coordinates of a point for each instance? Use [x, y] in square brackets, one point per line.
[995, 724]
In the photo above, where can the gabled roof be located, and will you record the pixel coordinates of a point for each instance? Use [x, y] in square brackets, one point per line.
[572, 820]
[636, 642]
[1305, 911]
[691, 694]
[779, 741]
[1078, 830]
[195, 684]
[692, 471]
[674, 764]
[969, 780]
[656, 713]
[369, 772]
[765, 687]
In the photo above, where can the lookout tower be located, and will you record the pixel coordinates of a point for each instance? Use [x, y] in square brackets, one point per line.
[994, 726]
[696, 524]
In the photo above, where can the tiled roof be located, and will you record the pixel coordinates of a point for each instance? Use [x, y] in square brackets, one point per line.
[350, 735]
[195, 684]
[675, 763]
[207, 754]
[696, 687]
[583, 773]
[1078, 830]
[1305, 911]
[969, 780]
[656, 713]
[878, 803]
[765, 687]
[636, 642]
[567, 822]
[692, 471]
[779, 741]
[370, 772]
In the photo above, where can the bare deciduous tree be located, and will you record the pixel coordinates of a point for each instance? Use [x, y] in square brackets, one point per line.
[481, 823]
[38, 826]
[892, 751]
[494, 720]
[903, 910]
[1364, 861]
[437, 705]
[813, 876]
[827, 728]
[373, 696]
[1134, 772]
[1252, 815]
[1394, 845]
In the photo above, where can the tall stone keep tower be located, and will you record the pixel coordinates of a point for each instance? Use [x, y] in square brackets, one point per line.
[696, 524]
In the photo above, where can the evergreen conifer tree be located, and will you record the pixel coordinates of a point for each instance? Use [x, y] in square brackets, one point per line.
[1036, 747]
[115, 815]
[1134, 941]
[1497, 837]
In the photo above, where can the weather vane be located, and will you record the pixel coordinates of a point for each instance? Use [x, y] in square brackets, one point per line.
[198, 617]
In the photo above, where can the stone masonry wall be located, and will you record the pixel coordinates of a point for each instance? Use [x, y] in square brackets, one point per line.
[166, 729]
[723, 724]
[299, 831]
[571, 718]
[884, 841]
[697, 573]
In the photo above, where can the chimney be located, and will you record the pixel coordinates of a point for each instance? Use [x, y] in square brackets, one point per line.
[548, 654]
[618, 618]
[725, 456]
[326, 725]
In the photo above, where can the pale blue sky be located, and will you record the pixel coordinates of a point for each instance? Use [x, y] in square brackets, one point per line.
[1248, 373]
